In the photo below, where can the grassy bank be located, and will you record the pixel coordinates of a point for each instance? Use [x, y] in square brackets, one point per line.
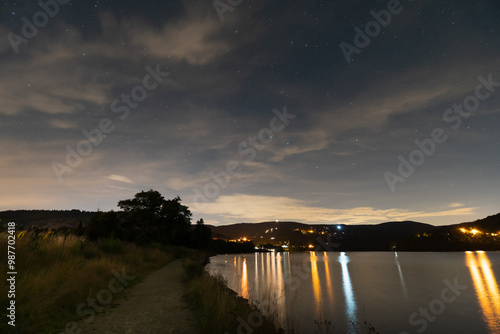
[219, 309]
[55, 274]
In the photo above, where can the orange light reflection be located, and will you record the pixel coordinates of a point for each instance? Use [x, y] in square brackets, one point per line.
[316, 283]
[486, 288]
[328, 279]
[244, 280]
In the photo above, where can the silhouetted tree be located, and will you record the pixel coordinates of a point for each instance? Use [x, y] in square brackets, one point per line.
[104, 225]
[149, 217]
[201, 235]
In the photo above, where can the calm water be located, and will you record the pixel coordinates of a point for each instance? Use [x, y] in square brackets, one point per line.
[320, 292]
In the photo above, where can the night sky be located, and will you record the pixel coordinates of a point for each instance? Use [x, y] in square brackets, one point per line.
[255, 111]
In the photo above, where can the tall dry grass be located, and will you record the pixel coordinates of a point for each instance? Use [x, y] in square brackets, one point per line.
[219, 309]
[56, 273]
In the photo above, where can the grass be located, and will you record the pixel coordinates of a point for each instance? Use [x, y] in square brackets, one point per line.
[56, 273]
[218, 308]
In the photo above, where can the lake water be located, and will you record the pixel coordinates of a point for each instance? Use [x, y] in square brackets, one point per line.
[332, 292]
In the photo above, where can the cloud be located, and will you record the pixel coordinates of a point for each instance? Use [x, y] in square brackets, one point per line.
[120, 178]
[49, 87]
[304, 142]
[455, 205]
[62, 124]
[63, 77]
[191, 39]
[248, 208]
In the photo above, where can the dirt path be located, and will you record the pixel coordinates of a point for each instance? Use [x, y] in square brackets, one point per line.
[154, 306]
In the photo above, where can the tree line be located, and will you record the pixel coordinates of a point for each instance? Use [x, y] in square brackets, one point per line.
[146, 218]
[149, 217]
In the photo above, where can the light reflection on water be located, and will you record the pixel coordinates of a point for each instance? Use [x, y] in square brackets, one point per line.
[244, 280]
[350, 301]
[328, 277]
[401, 277]
[486, 288]
[280, 289]
[303, 291]
[316, 285]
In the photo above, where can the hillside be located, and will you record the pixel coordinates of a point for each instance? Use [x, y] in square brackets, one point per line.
[482, 234]
[265, 230]
[489, 224]
[52, 219]
[341, 237]
[404, 236]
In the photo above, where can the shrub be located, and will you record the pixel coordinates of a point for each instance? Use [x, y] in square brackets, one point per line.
[90, 250]
[111, 246]
[192, 269]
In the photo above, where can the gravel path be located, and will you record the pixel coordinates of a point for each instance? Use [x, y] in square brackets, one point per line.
[154, 306]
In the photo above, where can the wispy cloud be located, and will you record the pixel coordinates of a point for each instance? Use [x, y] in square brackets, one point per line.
[62, 124]
[120, 178]
[247, 208]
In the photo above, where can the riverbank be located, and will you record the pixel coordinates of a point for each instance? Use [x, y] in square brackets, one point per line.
[67, 284]
[218, 308]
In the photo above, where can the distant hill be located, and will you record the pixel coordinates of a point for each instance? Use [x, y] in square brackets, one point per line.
[380, 236]
[404, 236]
[341, 237]
[482, 234]
[489, 224]
[46, 218]
[264, 230]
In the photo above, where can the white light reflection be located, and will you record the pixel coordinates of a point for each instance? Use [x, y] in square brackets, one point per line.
[268, 267]
[256, 279]
[273, 265]
[280, 290]
[350, 302]
[401, 278]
